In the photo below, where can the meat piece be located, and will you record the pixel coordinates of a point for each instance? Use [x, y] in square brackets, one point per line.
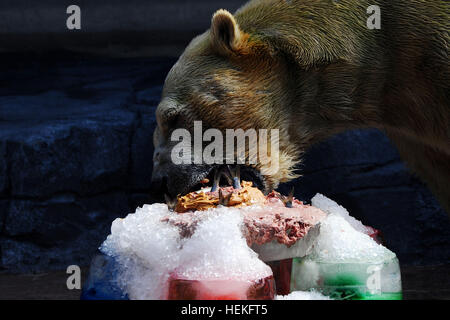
[273, 221]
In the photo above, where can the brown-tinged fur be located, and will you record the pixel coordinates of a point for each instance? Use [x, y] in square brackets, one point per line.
[313, 69]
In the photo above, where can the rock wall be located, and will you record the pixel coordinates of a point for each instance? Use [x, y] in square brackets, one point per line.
[115, 27]
[76, 153]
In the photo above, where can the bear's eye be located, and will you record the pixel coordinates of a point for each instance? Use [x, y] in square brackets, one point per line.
[167, 115]
[167, 121]
[172, 121]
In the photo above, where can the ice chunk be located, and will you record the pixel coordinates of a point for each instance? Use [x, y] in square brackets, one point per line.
[149, 250]
[338, 241]
[329, 206]
[347, 264]
[218, 250]
[145, 249]
[303, 295]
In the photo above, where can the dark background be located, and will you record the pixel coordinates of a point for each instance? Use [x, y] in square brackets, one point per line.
[76, 122]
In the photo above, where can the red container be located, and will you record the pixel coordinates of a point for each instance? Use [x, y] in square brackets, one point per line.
[183, 289]
[282, 274]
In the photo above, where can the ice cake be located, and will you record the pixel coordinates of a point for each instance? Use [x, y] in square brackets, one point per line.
[234, 242]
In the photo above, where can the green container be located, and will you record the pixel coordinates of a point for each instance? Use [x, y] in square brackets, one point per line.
[349, 280]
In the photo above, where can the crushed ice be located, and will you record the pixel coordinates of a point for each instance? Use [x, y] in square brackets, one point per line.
[342, 238]
[148, 250]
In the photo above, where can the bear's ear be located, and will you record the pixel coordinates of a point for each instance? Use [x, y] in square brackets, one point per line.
[226, 36]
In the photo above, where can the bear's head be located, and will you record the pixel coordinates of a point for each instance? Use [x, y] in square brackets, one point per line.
[227, 79]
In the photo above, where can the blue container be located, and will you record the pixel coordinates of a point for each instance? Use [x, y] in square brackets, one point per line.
[101, 282]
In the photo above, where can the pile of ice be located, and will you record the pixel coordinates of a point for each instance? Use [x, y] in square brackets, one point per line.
[338, 242]
[330, 207]
[342, 238]
[148, 251]
[343, 252]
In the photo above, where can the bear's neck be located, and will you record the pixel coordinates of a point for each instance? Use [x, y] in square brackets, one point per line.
[335, 77]
[344, 76]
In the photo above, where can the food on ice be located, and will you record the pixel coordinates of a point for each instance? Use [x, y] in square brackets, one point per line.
[265, 220]
[206, 199]
[274, 226]
[235, 243]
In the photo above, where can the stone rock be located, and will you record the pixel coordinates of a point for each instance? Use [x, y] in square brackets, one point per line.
[85, 157]
[351, 148]
[149, 96]
[3, 168]
[76, 153]
[4, 207]
[57, 231]
[142, 153]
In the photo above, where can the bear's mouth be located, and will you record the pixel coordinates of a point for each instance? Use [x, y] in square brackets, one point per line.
[227, 175]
